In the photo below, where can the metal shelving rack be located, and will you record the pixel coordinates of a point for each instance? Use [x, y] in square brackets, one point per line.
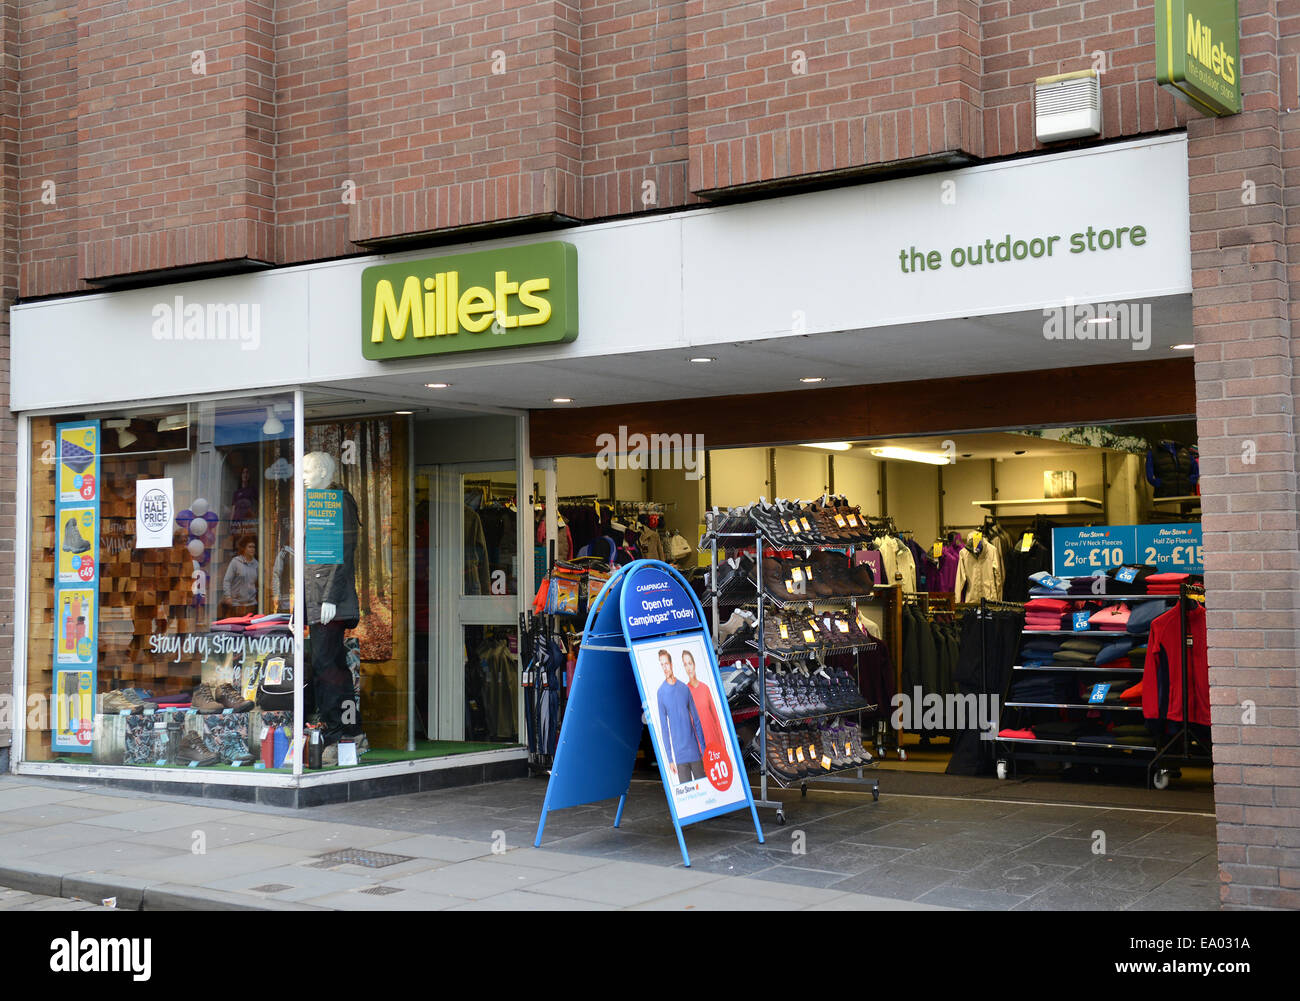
[762, 602]
[1011, 749]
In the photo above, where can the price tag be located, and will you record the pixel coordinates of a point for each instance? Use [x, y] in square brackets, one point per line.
[235, 764]
[789, 756]
[808, 636]
[808, 572]
[839, 520]
[1081, 623]
[848, 748]
[793, 526]
[1055, 583]
[826, 762]
[797, 574]
[1099, 693]
[1026, 542]
[853, 521]
[785, 633]
[936, 551]
[842, 625]
[226, 712]
[259, 764]
[804, 522]
[798, 752]
[1126, 575]
[194, 764]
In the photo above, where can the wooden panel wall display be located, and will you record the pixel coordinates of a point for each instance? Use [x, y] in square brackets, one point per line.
[1125, 392]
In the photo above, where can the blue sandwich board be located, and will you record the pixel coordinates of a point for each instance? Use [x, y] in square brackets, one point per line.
[647, 659]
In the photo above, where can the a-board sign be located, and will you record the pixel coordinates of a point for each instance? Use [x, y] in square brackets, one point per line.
[646, 660]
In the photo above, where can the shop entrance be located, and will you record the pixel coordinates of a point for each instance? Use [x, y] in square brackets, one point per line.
[471, 596]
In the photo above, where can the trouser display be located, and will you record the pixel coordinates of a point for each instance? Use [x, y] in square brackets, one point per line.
[336, 701]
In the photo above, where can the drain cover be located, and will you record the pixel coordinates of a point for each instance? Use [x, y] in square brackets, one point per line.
[359, 856]
[271, 888]
[382, 891]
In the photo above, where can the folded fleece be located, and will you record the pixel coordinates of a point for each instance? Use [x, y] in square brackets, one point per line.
[1168, 578]
[1113, 650]
[1050, 605]
[1017, 734]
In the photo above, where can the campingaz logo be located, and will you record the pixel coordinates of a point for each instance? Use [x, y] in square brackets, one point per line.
[75, 954]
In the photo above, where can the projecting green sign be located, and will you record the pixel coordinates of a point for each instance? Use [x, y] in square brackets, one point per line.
[1197, 57]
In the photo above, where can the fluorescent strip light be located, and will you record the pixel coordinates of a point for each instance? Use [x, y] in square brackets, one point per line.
[834, 446]
[1182, 347]
[910, 455]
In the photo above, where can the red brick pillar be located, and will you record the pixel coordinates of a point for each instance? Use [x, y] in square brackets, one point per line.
[1240, 171]
[9, 195]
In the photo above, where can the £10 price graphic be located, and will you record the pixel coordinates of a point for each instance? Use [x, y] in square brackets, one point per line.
[718, 768]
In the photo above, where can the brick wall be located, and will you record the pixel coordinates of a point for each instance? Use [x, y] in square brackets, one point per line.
[8, 288]
[1241, 170]
[320, 123]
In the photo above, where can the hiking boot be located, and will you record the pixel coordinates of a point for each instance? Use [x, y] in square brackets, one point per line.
[73, 542]
[193, 749]
[231, 697]
[329, 758]
[205, 700]
[233, 748]
[120, 701]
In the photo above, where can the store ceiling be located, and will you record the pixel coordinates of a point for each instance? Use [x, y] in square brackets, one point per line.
[990, 445]
[1003, 343]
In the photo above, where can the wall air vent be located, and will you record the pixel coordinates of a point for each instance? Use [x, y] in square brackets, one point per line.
[1067, 106]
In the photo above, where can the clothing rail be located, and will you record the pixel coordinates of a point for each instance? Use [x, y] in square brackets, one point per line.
[1180, 747]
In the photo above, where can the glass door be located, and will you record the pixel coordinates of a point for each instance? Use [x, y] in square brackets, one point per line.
[474, 642]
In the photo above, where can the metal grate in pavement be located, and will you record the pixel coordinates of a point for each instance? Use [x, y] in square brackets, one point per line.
[270, 888]
[381, 891]
[359, 856]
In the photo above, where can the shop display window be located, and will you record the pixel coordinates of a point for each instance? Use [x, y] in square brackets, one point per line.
[161, 585]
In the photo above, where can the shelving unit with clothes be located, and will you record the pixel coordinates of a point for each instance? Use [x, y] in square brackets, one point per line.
[829, 632]
[1078, 697]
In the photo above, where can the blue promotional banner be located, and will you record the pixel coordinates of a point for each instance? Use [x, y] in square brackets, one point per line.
[646, 660]
[657, 604]
[1171, 548]
[1077, 552]
[323, 542]
[76, 592]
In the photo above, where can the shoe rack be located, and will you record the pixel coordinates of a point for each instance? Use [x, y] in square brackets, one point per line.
[747, 590]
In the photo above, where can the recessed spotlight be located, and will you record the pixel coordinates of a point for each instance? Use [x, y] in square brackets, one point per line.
[437, 385]
[561, 399]
[1019, 451]
[813, 378]
[702, 360]
[1182, 347]
[403, 413]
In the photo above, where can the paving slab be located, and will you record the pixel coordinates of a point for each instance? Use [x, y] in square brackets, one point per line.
[526, 900]
[404, 900]
[474, 879]
[624, 883]
[164, 816]
[432, 846]
[299, 883]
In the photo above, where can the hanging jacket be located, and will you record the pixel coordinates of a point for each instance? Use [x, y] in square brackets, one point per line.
[925, 567]
[905, 565]
[1020, 564]
[1162, 676]
[948, 564]
[979, 575]
[1174, 470]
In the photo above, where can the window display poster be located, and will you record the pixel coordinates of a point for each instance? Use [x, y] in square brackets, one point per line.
[78, 447]
[324, 538]
[155, 514]
[684, 712]
[75, 641]
[1172, 548]
[78, 545]
[74, 709]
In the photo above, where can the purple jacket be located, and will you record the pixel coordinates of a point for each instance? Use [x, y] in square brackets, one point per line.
[948, 565]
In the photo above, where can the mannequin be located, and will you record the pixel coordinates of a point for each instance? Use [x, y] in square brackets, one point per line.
[331, 609]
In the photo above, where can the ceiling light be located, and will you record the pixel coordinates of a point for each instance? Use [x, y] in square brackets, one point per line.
[834, 446]
[403, 413]
[1182, 347]
[702, 360]
[910, 455]
[176, 422]
[273, 425]
[1019, 451]
[561, 399]
[813, 378]
[125, 439]
[437, 385]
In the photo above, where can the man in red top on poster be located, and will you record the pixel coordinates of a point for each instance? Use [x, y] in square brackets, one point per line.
[710, 724]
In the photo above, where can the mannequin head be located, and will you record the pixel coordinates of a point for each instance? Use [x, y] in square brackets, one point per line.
[317, 470]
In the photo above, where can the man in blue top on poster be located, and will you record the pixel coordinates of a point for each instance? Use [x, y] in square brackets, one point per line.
[679, 723]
